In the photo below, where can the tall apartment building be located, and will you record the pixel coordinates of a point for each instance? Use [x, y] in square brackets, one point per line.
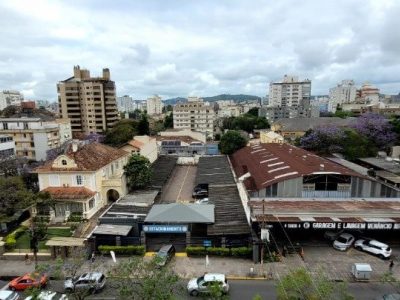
[89, 102]
[125, 104]
[368, 94]
[194, 115]
[290, 92]
[10, 97]
[7, 147]
[154, 105]
[32, 136]
[344, 92]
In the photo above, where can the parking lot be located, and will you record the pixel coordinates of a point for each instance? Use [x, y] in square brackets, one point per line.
[180, 185]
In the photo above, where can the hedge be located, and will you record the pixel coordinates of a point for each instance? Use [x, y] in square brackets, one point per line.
[11, 239]
[123, 250]
[219, 251]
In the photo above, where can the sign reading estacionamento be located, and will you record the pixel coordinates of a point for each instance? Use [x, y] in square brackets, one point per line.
[165, 228]
[343, 225]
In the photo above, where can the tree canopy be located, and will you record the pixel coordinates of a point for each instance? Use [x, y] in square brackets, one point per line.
[231, 142]
[138, 172]
[247, 122]
[122, 132]
[143, 127]
[169, 120]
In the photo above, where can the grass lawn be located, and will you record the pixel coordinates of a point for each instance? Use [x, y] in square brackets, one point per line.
[23, 242]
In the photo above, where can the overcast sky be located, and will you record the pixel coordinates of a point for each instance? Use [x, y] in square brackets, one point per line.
[198, 47]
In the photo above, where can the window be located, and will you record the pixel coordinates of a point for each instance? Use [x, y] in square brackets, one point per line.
[5, 125]
[26, 125]
[91, 203]
[64, 162]
[79, 180]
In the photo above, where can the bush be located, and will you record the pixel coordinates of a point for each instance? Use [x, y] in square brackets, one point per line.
[123, 250]
[196, 251]
[244, 252]
[41, 219]
[11, 239]
[75, 217]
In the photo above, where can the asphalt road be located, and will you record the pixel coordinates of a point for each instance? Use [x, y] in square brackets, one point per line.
[247, 289]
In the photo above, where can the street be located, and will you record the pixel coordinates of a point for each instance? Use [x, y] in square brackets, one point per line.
[247, 289]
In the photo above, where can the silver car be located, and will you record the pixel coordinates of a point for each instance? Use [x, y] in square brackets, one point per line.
[343, 242]
[91, 282]
[201, 285]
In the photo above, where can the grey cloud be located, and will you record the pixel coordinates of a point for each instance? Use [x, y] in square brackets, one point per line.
[137, 54]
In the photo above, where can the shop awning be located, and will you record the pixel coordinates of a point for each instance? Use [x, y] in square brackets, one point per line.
[181, 213]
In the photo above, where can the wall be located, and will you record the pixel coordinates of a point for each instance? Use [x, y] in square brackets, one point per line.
[200, 136]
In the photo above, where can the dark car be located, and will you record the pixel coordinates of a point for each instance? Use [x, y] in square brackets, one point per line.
[164, 255]
[200, 191]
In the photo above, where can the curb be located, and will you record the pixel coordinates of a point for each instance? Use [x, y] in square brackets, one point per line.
[247, 278]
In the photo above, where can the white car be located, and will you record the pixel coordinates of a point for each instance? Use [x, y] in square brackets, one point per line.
[343, 242]
[9, 295]
[200, 285]
[202, 201]
[374, 247]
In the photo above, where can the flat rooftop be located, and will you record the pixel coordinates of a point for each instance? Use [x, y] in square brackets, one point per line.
[139, 198]
[382, 163]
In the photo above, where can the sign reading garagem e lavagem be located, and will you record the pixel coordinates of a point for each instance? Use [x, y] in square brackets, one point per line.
[165, 228]
[343, 225]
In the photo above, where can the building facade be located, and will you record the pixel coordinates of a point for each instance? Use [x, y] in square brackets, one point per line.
[344, 92]
[195, 115]
[7, 147]
[125, 104]
[33, 137]
[89, 102]
[143, 145]
[290, 92]
[275, 113]
[83, 180]
[9, 97]
[154, 105]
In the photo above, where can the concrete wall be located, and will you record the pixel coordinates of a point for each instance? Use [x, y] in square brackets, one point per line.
[200, 136]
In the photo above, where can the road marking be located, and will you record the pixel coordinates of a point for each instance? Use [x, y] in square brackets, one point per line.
[183, 183]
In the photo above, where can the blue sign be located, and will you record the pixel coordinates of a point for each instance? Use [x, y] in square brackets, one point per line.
[165, 228]
[207, 243]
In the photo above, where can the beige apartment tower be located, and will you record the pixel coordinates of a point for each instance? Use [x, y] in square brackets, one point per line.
[89, 102]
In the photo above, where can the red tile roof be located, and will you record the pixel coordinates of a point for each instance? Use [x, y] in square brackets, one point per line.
[89, 157]
[272, 163]
[69, 193]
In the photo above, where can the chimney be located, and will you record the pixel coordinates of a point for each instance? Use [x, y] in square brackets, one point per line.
[77, 72]
[74, 147]
[321, 167]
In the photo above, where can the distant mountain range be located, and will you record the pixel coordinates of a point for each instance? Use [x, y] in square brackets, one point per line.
[236, 98]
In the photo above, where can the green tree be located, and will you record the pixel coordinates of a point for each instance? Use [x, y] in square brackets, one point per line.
[343, 114]
[143, 127]
[253, 111]
[138, 172]
[122, 132]
[231, 142]
[13, 196]
[300, 284]
[246, 122]
[137, 278]
[355, 145]
[169, 120]
[156, 127]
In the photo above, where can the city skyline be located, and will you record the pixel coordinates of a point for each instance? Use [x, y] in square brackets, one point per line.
[199, 48]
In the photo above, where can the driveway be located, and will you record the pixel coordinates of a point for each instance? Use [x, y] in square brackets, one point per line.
[180, 185]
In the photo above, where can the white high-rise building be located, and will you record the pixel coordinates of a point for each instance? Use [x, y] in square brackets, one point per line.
[125, 104]
[290, 92]
[154, 105]
[197, 116]
[344, 92]
[10, 97]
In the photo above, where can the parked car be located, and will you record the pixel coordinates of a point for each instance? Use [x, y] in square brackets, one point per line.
[9, 295]
[27, 281]
[92, 282]
[49, 295]
[202, 201]
[165, 254]
[389, 297]
[374, 247]
[343, 242]
[332, 235]
[200, 190]
[200, 285]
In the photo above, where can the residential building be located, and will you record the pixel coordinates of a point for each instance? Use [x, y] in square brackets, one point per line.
[89, 102]
[65, 129]
[143, 145]
[125, 104]
[368, 94]
[33, 136]
[344, 92]
[276, 113]
[229, 111]
[7, 147]
[194, 115]
[83, 180]
[270, 137]
[290, 92]
[10, 97]
[154, 105]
